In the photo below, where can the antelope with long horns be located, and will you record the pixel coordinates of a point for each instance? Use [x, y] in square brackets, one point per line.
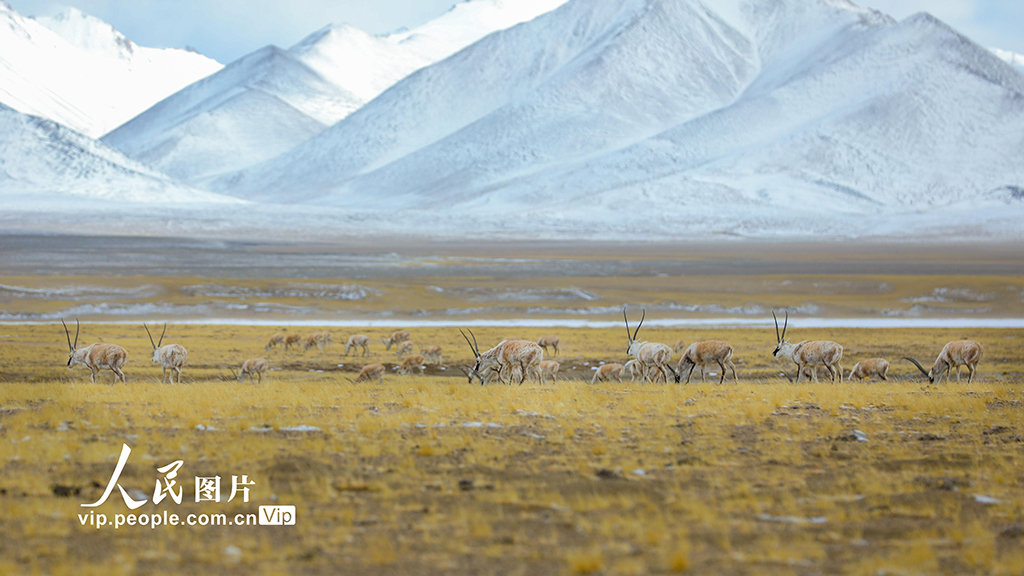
[954, 355]
[396, 337]
[96, 356]
[275, 340]
[607, 372]
[170, 357]
[650, 355]
[705, 353]
[414, 361]
[432, 353]
[871, 367]
[809, 353]
[360, 340]
[552, 341]
[253, 368]
[507, 355]
[370, 371]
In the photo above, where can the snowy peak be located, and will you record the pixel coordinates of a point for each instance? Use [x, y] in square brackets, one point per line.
[89, 33]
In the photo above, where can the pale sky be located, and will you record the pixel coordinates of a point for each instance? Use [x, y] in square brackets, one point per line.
[228, 29]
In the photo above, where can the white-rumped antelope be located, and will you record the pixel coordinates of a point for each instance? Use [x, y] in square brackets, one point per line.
[170, 357]
[321, 340]
[292, 340]
[552, 341]
[432, 353]
[954, 355]
[704, 353]
[809, 353]
[679, 346]
[97, 356]
[549, 369]
[413, 361]
[253, 368]
[275, 340]
[370, 371]
[360, 340]
[650, 355]
[871, 367]
[607, 372]
[405, 348]
[396, 337]
[632, 368]
[507, 355]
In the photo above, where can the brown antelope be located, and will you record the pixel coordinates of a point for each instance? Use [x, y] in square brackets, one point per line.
[292, 340]
[607, 372]
[633, 369]
[702, 354]
[405, 348]
[411, 362]
[370, 371]
[549, 369]
[275, 340]
[319, 339]
[679, 346]
[552, 341]
[360, 340]
[809, 353]
[954, 355]
[507, 355]
[870, 367]
[96, 356]
[396, 337]
[170, 357]
[253, 368]
[650, 356]
[432, 353]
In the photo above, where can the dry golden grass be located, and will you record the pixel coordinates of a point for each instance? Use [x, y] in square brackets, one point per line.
[756, 476]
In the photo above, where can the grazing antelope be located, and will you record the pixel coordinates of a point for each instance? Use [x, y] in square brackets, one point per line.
[370, 371]
[292, 340]
[546, 341]
[275, 340]
[396, 337]
[649, 355]
[432, 353]
[507, 355]
[679, 346]
[360, 340]
[702, 354]
[954, 355]
[412, 361]
[633, 369]
[549, 369]
[870, 367]
[809, 353]
[319, 339]
[405, 348]
[170, 357]
[96, 356]
[253, 368]
[607, 372]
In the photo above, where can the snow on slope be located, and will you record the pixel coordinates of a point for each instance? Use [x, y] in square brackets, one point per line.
[756, 114]
[85, 74]
[271, 100]
[44, 165]
[1009, 57]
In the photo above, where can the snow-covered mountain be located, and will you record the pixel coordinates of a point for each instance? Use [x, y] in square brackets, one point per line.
[271, 100]
[79, 71]
[1011, 58]
[737, 114]
[47, 166]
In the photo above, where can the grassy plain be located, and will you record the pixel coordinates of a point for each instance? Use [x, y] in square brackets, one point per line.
[430, 475]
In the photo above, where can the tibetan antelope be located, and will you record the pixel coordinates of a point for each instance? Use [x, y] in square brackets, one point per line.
[292, 340]
[253, 368]
[954, 355]
[432, 353]
[870, 367]
[276, 339]
[809, 353]
[368, 372]
[679, 346]
[360, 340]
[549, 369]
[633, 369]
[96, 356]
[411, 362]
[396, 337]
[650, 356]
[607, 372]
[552, 341]
[507, 355]
[405, 348]
[170, 357]
[319, 339]
[702, 354]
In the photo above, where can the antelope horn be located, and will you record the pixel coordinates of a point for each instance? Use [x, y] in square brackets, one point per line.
[68, 334]
[162, 335]
[919, 367]
[475, 353]
[640, 324]
[150, 335]
[627, 323]
[776, 318]
[785, 326]
[78, 327]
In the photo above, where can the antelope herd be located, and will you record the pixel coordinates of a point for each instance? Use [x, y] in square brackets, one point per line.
[515, 359]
